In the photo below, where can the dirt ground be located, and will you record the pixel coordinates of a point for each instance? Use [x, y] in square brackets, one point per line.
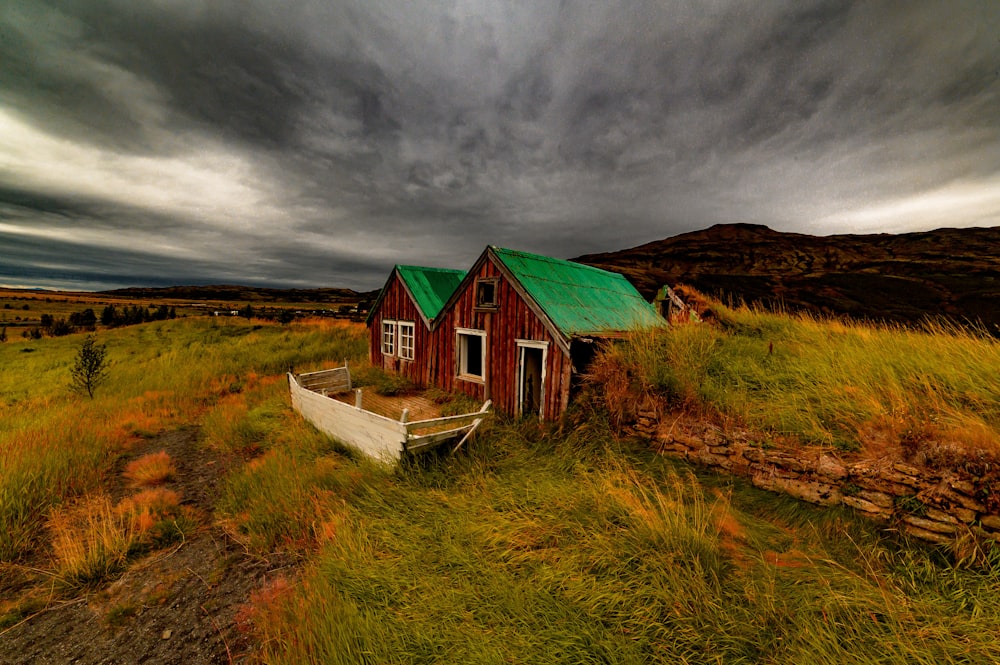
[178, 605]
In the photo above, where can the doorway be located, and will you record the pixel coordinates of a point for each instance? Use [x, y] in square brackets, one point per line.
[531, 378]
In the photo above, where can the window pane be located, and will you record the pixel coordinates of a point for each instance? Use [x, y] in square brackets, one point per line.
[486, 293]
[406, 335]
[474, 355]
[388, 338]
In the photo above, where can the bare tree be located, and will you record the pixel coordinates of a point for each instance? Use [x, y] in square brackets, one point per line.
[90, 368]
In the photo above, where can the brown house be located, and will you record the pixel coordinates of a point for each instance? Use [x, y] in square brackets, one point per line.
[515, 329]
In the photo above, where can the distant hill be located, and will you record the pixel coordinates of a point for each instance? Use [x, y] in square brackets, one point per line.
[904, 278]
[233, 293]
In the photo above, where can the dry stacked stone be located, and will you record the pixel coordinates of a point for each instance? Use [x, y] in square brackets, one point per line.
[935, 506]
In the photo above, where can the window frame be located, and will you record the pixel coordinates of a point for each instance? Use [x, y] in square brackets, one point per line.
[401, 348]
[461, 364]
[389, 338]
[495, 283]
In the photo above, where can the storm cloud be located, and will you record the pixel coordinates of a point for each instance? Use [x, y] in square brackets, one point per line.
[316, 143]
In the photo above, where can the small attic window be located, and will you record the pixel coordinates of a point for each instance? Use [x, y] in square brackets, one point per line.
[486, 293]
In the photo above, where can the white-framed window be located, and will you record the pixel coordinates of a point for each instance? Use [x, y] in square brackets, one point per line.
[388, 338]
[471, 354]
[406, 339]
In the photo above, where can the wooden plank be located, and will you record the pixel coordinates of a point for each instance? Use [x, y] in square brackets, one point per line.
[322, 372]
[339, 377]
[321, 380]
[327, 384]
[472, 429]
[418, 442]
[419, 424]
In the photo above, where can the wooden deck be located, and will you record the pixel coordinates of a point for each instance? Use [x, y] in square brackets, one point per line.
[418, 406]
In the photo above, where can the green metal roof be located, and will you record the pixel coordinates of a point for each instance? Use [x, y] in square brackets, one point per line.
[580, 299]
[431, 287]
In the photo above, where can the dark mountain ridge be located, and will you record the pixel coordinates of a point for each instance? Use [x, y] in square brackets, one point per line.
[236, 293]
[903, 278]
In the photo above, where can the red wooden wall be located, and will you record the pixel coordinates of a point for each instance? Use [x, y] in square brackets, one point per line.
[398, 306]
[511, 320]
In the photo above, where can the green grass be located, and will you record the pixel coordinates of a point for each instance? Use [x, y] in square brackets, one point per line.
[533, 544]
[847, 385]
[55, 445]
[538, 549]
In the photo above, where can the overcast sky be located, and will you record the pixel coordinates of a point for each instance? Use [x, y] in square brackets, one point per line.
[318, 142]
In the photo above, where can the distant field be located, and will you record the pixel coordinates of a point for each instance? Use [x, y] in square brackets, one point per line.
[20, 309]
[25, 308]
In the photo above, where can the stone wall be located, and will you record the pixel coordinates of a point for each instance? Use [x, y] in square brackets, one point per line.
[935, 506]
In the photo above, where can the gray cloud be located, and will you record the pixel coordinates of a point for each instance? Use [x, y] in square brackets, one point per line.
[316, 142]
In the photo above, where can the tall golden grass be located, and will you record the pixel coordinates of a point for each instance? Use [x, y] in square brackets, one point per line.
[930, 394]
[535, 547]
[94, 538]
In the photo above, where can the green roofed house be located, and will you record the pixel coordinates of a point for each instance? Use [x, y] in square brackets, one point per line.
[517, 328]
[402, 317]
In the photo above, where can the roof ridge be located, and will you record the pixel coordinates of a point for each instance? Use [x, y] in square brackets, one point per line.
[551, 259]
[455, 270]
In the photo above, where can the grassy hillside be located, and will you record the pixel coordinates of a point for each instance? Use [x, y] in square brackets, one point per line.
[932, 393]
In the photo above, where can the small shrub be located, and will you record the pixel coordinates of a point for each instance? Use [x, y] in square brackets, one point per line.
[61, 328]
[90, 369]
[393, 384]
[161, 519]
[265, 605]
[382, 383]
[119, 615]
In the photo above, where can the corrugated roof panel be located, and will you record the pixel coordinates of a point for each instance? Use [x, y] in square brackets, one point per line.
[580, 299]
[431, 287]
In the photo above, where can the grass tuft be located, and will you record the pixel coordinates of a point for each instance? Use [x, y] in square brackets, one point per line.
[94, 539]
[149, 470]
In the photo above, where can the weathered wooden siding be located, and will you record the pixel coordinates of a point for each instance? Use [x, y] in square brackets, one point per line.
[512, 320]
[398, 306]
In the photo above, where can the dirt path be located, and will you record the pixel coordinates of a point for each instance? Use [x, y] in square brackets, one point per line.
[178, 605]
